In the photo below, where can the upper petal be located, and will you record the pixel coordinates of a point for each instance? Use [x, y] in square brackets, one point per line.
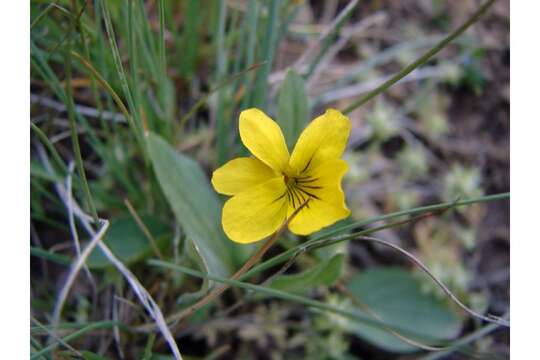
[257, 212]
[324, 139]
[241, 174]
[263, 137]
[327, 203]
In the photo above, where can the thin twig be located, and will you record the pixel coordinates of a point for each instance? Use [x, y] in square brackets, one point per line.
[428, 72]
[478, 334]
[347, 35]
[328, 33]
[490, 318]
[403, 338]
[422, 59]
[81, 109]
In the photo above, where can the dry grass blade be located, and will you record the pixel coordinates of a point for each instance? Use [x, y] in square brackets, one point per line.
[325, 35]
[74, 271]
[73, 227]
[145, 298]
[142, 294]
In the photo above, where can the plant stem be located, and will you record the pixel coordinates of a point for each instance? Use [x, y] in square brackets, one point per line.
[326, 240]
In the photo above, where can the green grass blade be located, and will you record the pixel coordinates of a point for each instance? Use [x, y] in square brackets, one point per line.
[94, 326]
[47, 255]
[267, 52]
[73, 125]
[136, 125]
[189, 39]
[45, 140]
[222, 134]
[353, 315]
[252, 20]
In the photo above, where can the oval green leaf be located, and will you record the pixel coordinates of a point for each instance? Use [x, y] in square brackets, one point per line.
[395, 296]
[293, 107]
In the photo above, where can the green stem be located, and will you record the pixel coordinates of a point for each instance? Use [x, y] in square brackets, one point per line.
[326, 240]
[414, 211]
[422, 59]
[355, 315]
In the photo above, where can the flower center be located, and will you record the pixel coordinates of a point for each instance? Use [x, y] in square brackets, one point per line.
[300, 189]
[289, 180]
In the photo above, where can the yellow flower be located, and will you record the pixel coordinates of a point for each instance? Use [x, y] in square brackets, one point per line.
[267, 188]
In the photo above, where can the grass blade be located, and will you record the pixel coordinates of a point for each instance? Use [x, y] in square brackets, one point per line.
[73, 125]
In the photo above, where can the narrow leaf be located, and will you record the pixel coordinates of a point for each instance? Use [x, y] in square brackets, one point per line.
[325, 273]
[293, 107]
[193, 202]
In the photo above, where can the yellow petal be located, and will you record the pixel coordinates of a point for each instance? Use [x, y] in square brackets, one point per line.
[263, 137]
[257, 212]
[324, 139]
[241, 174]
[327, 204]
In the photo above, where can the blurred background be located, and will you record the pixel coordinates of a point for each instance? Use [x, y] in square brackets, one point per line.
[105, 73]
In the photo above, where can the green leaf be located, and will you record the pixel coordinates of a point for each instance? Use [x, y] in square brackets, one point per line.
[88, 355]
[325, 273]
[293, 107]
[194, 204]
[395, 296]
[127, 241]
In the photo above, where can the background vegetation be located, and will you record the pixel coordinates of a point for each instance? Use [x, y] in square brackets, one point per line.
[135, 102]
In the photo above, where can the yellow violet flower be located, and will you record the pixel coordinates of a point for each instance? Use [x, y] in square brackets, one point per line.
[267, 188]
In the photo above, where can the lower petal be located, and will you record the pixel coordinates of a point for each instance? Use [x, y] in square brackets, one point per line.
[256, 213]
[327, 199]
[316, 215]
